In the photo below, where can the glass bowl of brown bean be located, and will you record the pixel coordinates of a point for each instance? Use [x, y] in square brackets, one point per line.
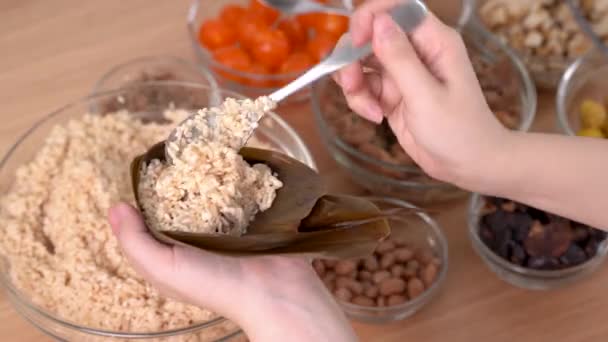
[530, 248]
[371, 153]
[405, 272]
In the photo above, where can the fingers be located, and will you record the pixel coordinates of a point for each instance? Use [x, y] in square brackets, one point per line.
[362, 19]
[438, 46]
[441, 49]
[400, 60]
[364, 100]
[179, 272]
[145, 253]
[359, 96]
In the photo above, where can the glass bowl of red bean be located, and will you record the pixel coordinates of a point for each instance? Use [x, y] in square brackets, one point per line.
[404, 274]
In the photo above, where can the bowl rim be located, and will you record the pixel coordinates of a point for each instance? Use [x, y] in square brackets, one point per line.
[26, 301]
[168, 59]
[473, 212]
[528, 114]
[464, 17]
[442, 242]
[563, 91]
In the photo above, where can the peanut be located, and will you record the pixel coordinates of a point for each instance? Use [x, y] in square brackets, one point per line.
[342, 281]
[424, 256]
[356, 287]
[345, 267]
[363, 301]
[372, 292]
[349, 283]
[397, 270]
[411, 269]
[403, 254]
[365, 275]
[428, 274]
[396, 300]
[343, 294]
[415, 288]
[399, 242]
[394, 274]
[387, 260]
[330, 263]
[329, 281]
[436, 261]
[381, 301]
[379, 276]
[385, 246]
[319, 267]
[371, 263]
[391, 286]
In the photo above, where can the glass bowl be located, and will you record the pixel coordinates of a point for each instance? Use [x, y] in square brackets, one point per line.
[583, 20]
[406, 180]
[455, 13]
[586, 78]
[524, 277]
[154, 68]
[545, 70]
[419, 231]
[202, 10]
[273, 132]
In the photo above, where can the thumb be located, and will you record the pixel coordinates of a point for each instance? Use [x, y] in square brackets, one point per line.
[181, 273]
[146, 254]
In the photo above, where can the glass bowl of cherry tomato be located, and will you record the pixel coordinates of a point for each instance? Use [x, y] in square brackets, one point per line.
[253, 49]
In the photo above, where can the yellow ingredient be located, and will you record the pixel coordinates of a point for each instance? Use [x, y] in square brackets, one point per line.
[591, 132]
[593, 114]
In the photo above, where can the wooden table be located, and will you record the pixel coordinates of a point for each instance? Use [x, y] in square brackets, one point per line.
[51, 52]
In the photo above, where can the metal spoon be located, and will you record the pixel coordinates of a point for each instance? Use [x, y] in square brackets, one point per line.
[288, 7]
[408, 16]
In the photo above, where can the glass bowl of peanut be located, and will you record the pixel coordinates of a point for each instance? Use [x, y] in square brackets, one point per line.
[404, 274]
[582, 107]
[545, 33]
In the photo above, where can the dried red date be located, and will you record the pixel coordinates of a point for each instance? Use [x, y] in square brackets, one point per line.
[532, 238]
[551, 240]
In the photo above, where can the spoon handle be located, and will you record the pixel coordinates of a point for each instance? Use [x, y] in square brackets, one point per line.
[301, 7]
[408, 16]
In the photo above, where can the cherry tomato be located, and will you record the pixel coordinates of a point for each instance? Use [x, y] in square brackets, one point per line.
[232, 14]
[259, 70]
[248, 29]
[321, 45]
[296, 62]
[309, 20]
[332, 24]
[268, 13]
[271, 48]
[232, 57]
[215, 34]
[295, 32]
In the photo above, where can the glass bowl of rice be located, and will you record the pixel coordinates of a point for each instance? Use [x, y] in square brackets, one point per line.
[61, 267]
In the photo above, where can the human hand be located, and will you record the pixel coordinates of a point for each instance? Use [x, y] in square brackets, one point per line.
[269, 297]
[425, 86]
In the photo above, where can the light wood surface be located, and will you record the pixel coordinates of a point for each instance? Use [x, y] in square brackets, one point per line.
[51, 52]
